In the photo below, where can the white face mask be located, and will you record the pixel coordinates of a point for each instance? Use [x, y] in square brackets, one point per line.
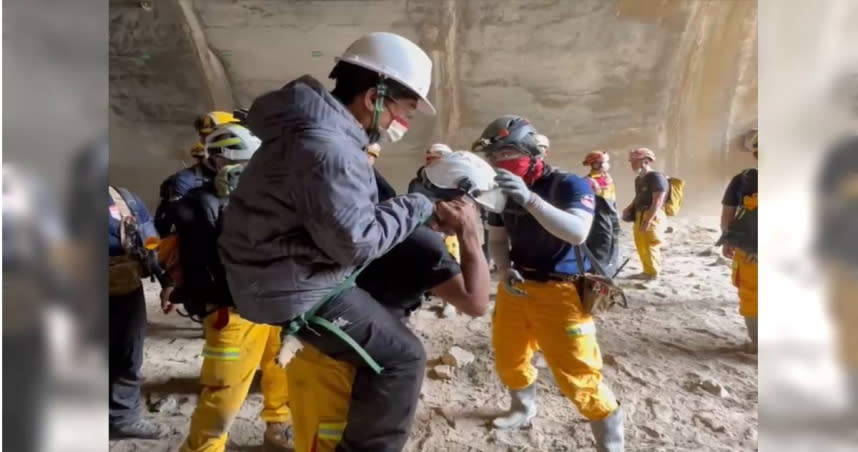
[395, 131]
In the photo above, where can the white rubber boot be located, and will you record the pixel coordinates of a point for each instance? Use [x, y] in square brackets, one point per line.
[522, 409]
[608, 433]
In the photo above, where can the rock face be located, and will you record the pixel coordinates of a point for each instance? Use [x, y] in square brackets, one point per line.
[678, 76]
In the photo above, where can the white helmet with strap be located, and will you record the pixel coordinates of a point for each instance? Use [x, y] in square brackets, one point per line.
[462, 172]
[397, 58]
[232, 142]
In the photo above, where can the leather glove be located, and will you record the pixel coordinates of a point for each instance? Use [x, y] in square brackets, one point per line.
[510, 279]
[513, 186]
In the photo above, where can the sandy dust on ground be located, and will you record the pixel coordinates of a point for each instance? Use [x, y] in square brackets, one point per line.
[675, 360]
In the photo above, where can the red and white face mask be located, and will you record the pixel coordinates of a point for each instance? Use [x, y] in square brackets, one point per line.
[395, 131]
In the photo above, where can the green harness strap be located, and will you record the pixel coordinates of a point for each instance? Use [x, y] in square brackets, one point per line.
[310, 316]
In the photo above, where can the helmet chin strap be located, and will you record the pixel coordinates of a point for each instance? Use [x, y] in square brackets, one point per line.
[381, 91]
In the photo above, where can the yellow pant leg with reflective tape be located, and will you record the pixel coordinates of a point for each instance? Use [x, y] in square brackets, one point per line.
[320, 391]
[513, 340]
[231, 356]
[567, 337]
[275, 390]
[843, 296]
[648, 245]
[745, 280]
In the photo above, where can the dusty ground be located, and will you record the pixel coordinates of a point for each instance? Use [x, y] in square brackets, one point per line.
[679, 332]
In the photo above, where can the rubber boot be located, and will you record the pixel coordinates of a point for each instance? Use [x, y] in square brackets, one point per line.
[278, 437]
[608, 433]
[751, 324]
[522, 409]
[140, 429]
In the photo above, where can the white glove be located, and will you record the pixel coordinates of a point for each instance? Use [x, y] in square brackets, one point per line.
[512, 186]
[510, 279]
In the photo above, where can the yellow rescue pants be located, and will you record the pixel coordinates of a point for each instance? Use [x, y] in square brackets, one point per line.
[320, 389]
[452, 243]
[550, 318]
[843, 295]
[648, 245]
[231, 356]
[745, 280]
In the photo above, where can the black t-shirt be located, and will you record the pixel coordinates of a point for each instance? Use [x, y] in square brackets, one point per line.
[645, 186]
[743, 184]
[400, 278]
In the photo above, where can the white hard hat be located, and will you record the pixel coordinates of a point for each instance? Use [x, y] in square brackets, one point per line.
[397, 58]
[232, 142]
[464, 171]
[542, 142]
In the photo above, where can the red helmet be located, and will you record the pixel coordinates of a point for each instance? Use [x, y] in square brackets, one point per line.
[596, 157]
[642, 153]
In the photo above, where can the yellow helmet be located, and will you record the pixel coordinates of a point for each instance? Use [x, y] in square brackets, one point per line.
[207, 123]
[198, 151]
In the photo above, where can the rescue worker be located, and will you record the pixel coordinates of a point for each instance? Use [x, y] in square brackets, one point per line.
[739, 198]
[234, 347]
[306, 219]
[651, 191]
[435, 152]
[538, 307]
[129, 230]
[202, 171]
[320, 386]
[837, 221]
[600, 180]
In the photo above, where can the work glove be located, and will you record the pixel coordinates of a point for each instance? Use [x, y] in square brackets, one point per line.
[513, 186]
[510, 279]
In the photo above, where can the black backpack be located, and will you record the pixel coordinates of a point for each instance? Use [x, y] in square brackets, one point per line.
[603, 239]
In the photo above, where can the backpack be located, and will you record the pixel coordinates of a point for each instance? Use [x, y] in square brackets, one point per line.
[674, 196]
[202, 288]
[603, 238]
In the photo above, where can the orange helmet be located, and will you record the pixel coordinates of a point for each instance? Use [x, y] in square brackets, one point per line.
[642, 153]
[596, 157]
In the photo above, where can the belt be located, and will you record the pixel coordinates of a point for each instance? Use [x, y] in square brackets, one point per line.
[292, 327]
[543, 276]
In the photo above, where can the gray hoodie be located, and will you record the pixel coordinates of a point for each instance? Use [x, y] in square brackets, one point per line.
[306, 213]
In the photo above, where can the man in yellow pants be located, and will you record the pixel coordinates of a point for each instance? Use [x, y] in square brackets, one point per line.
[234, 347]
[739, 233]
[320, 386]
[533, 243]
[651, 190]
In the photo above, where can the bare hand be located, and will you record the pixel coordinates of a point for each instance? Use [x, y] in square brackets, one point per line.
[728, 251]
[166, 305]
[455, 216]
[646, 225]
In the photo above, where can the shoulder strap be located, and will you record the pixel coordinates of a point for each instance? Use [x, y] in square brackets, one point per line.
[582, 249]
[120, 202]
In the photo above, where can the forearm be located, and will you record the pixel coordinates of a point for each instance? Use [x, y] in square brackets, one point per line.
[727, 215]
[571, 226]
[499, 247]
[475, 269]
